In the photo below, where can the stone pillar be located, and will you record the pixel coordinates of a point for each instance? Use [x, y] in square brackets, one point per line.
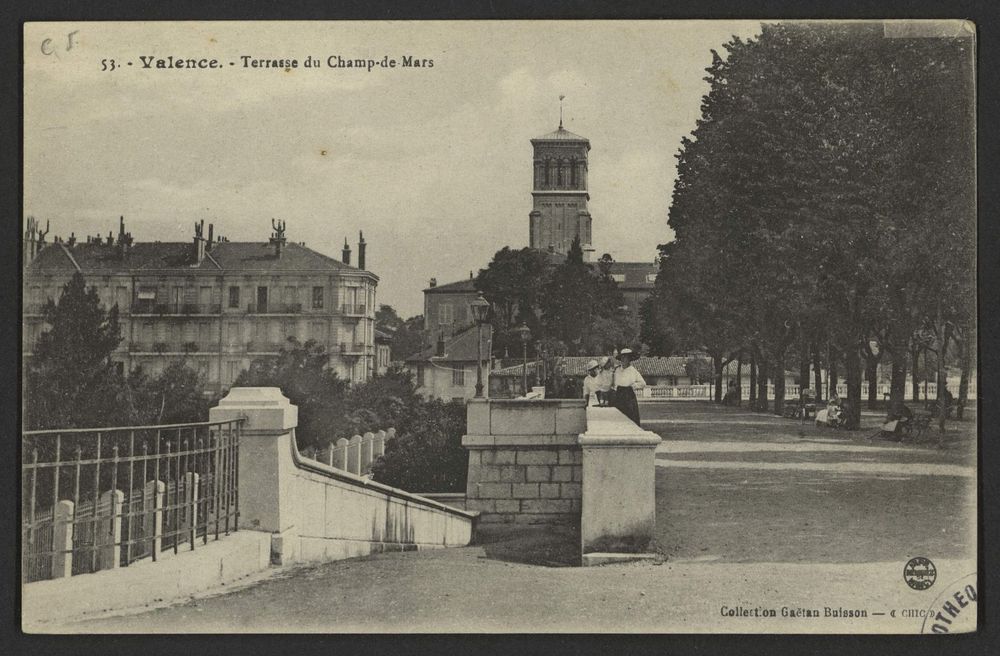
[354, 455]
[618, 515]
[367, 451]
[340, 454]
[108, 536]
[62, 540]
[266, 468]
[152, 520]
[380, 443]
[189, 518]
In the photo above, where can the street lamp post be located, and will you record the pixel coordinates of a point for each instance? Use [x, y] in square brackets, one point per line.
[525, 333]
[480, 312]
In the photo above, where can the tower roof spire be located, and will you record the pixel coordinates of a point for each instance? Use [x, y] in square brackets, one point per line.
[561, 111]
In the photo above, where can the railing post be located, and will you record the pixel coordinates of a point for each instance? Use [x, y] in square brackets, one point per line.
[108, 535]
[265, 468]
[367, 451]
[189, 520]
[354, 455]
[62, 540]
[152, 522]
[340, 454]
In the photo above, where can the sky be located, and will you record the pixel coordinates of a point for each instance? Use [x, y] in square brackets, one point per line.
[433, 164]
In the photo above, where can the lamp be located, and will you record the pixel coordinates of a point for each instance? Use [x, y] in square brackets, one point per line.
[480, 308]
[525, 334]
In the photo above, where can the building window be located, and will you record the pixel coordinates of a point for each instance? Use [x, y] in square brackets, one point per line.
[446, 314]
[458, 376]
[234, 297]
[618, 277]
[120, 368]
[420, 375]
[317, 298]
[231, 369]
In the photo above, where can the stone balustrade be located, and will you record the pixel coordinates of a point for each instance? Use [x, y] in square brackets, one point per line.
[315, 511]
[524, 460]
[558, 462]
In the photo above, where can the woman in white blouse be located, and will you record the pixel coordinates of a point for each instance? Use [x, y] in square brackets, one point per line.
[627, 379]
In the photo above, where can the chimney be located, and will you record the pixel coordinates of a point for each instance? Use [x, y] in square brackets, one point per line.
[346, 254]
[72, 240]
[111, 239]
[361, 250]
[199, 242]
[470, 275]
[211, 231]
[433, 282]
[124, 239]
[278, 236]
[30, 240]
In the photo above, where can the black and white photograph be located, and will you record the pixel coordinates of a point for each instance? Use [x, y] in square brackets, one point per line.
[499, 326]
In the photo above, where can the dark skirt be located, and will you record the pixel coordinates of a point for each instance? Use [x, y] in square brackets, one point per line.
[626, 402]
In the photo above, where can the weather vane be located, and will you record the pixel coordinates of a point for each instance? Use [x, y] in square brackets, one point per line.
[560, 110]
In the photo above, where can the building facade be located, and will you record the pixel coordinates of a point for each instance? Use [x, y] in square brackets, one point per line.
[447, 307]
[559, 193]
[214, 305]
[559, 214]
[448, 369]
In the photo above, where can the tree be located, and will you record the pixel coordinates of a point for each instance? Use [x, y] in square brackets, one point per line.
[302, 373]
[427, 454]
[812, 190]
[177, 396]
[71, 379]
[408, 338]
[512, 283]
[386, 319]
[582, 308]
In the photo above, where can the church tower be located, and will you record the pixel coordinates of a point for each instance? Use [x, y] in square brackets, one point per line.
[559, 212]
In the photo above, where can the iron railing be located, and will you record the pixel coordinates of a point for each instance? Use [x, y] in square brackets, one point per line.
[101, 498]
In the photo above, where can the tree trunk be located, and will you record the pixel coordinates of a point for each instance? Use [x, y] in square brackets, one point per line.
[779, 385]
[762, 384]
[803, 371]
[871, 372]
[831, 378]
[942, 380]
[817, 372]
[753, 379]
[852, 363]
[965, 361]
[897, 386]
[915, 357]
[739, 379]
[717, 371]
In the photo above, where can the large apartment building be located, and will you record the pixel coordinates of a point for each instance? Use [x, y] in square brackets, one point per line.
[212, 303]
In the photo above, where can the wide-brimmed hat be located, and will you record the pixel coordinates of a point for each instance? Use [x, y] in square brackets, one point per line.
[592, 365]
[604, 360]
[627, 351]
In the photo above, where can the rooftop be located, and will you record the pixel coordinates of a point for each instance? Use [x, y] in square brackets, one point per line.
[561, 134]
[466, 285]
[461, 347]
[227, 256]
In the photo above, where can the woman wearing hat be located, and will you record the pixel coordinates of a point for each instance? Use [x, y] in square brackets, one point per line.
[626, 380]
[592, 383]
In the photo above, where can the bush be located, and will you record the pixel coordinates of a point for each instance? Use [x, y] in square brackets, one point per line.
[427, 453]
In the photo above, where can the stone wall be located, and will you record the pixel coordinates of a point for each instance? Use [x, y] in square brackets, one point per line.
[316, 512]
[525, 460]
